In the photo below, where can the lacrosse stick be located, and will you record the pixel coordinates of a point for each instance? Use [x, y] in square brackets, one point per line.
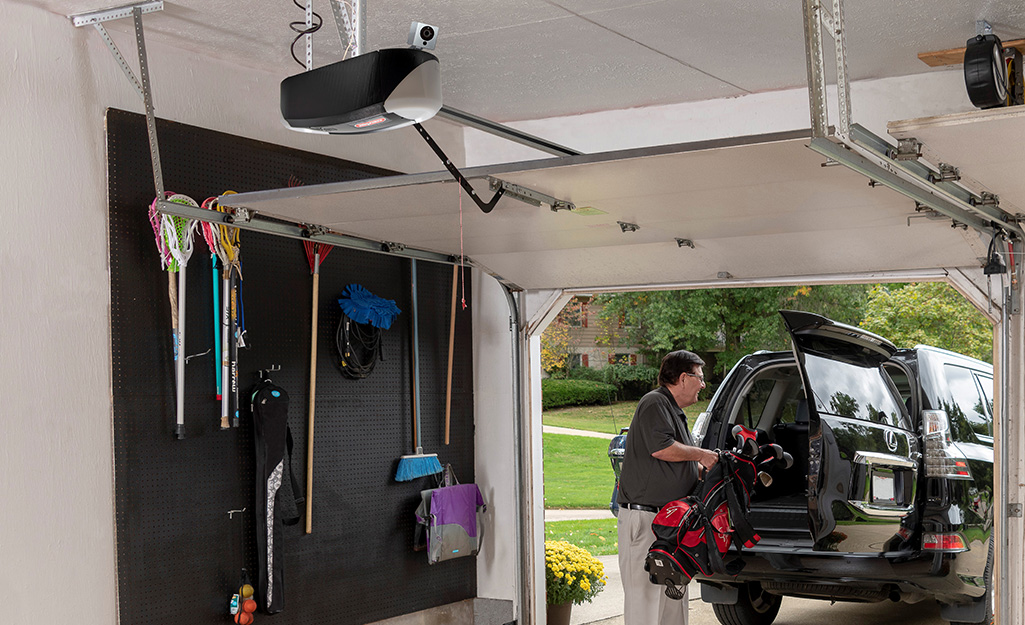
[156, 220]
[229, 244]
[212, 236]
[176, 235]
[315, 254]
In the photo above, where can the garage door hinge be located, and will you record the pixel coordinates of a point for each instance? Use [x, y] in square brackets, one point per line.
[909, 149]
[948, 173]
[985, 199]
[313, 230]
[1014, 510]
[240, 215]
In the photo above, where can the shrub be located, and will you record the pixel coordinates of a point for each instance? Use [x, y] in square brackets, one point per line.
[571, 573]
[558, 393]
[587, 373]
[631, 381]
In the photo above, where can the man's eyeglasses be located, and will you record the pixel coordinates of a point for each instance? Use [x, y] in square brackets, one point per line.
[701, 378]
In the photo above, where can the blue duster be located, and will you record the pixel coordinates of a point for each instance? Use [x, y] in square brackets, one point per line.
[362, 306]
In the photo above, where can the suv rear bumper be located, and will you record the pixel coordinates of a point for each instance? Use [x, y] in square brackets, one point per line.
[844, 577]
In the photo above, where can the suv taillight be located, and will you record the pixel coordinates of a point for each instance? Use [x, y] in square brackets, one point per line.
[942, 457]
[700, 425]
[932, 541]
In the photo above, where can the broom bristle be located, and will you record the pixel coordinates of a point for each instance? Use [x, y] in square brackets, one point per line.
[417, 465]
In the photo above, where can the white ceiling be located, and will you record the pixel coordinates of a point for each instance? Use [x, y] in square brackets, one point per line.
[532, 59]
[755, 208]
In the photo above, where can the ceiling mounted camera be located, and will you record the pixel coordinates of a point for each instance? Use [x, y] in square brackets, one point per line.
[423, 36]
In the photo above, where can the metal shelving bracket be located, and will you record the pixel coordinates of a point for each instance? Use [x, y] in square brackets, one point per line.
[142, 87]
[897, 167]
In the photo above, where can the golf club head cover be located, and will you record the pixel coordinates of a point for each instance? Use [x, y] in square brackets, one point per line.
[746, 441]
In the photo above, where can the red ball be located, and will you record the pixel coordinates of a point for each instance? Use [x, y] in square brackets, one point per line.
[249, 605]
[243, 618]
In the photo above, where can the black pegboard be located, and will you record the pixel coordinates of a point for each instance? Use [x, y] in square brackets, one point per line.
[178, 553]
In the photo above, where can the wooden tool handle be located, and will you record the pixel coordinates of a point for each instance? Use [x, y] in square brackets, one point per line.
[451, 352]
[313, 392]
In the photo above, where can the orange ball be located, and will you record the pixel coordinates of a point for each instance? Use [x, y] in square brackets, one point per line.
[243, 618]
[249, 605]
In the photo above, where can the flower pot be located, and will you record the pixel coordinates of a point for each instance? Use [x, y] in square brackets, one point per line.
[558, 613]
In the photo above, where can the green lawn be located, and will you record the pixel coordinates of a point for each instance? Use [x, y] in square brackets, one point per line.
[608, 419]
[578, 473]
[598, 536]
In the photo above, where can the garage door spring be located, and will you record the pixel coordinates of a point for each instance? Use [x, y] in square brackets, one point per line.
[359, 347]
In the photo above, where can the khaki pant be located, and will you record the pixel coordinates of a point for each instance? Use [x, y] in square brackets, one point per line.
[644, 603]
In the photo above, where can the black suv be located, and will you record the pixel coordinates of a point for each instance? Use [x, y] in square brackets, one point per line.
[891, 491]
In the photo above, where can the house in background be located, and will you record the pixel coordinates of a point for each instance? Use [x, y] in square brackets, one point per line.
[591, 342]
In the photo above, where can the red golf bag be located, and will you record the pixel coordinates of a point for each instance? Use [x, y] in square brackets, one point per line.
[693, 534]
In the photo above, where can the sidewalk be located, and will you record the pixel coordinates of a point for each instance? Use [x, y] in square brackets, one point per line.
[607, 607]
[551, 429]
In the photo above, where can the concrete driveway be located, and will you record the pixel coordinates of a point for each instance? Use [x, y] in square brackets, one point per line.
[607, 608]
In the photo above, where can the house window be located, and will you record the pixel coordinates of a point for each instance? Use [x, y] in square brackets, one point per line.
[576, 313]
[623, 359]
[575, 360]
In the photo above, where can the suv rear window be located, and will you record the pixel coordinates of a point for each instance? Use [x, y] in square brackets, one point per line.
[968, 404]
[854, 392]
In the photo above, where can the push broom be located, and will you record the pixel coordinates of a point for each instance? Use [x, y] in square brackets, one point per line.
[417, 464]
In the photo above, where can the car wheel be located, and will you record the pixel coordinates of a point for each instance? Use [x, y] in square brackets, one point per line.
[988, 598]
[754, 607]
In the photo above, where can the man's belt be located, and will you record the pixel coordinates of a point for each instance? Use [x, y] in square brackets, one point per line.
[641, 507]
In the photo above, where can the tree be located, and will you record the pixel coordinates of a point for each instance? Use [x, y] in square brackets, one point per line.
[733, 322]
[930, 313]
[555, 344]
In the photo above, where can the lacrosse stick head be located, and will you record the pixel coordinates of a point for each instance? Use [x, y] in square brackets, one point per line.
[178, 232]
[228, 237]
[156, 221]
[209, 230]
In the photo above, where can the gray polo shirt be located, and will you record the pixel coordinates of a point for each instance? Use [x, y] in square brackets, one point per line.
[646, 480]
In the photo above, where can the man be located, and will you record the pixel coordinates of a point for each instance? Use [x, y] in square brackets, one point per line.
[661, 464]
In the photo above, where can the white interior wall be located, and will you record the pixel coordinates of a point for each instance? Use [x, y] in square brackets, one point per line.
[56, 522]
[873, 104]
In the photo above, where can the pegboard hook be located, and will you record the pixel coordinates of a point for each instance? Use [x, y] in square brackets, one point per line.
[231, 513]
[265, 373]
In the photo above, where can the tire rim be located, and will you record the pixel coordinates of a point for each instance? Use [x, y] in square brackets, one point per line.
[760, 600]
[999, 72]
